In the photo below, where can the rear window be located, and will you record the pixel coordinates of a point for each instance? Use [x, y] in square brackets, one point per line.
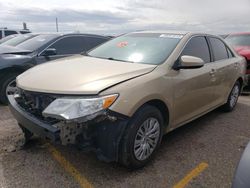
[145, 48]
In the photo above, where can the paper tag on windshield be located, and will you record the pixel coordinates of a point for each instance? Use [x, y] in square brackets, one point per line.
[175, 36]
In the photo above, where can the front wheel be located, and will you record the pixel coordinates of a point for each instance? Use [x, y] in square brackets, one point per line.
[142, 137]
[8, 87]
[232, 98]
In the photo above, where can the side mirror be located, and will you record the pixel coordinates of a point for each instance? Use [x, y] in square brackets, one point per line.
[49, 52]
[189, 62]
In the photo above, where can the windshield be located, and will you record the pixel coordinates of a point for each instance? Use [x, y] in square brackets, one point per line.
[36, 42]
[18, 39]
[146, 48]
[7, 38]
[238, 40]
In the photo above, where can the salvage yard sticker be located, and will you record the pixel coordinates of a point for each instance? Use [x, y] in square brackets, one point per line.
[122, 44]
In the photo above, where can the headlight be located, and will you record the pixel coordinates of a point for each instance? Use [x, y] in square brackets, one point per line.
[74, 108]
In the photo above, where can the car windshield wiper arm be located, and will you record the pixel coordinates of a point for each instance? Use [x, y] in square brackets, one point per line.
[111, 58]
[85, 53]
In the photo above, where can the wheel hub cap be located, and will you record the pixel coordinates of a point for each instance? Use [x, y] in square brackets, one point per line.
[146, 138]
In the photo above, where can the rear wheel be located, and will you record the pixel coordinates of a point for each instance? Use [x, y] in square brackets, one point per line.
[8, 86]
[142, 137]
[233, 98]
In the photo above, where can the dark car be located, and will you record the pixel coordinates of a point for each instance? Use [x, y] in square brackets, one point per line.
[40, 49]
[17, 39]
[242, 174]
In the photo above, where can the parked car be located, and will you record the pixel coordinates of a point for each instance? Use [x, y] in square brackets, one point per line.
[7, 38]
[18, 39]
[241, 43]
[242, 175]
[4, 32]
[40, 49]
[120, 98]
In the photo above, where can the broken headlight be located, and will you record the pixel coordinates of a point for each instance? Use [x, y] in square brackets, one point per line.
[75, 107]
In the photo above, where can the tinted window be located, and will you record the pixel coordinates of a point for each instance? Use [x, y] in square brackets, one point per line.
[36, 42]
[91, 42]
[69, 45]
[8, 32]
[197, 47]
[219, 49]
[146, 48]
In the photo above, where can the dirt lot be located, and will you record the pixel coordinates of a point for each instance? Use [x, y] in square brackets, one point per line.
[203, 153]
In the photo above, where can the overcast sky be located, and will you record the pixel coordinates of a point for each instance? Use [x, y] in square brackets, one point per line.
[119, 16]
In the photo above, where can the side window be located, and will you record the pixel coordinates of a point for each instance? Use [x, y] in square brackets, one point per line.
[9, 32]
[91, 42]
[69, 45]
[197, 47]
[219, 49]
[229, 52]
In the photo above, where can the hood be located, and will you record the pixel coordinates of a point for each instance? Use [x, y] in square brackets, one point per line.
[79, 75]
[4, 49]
[243, 50]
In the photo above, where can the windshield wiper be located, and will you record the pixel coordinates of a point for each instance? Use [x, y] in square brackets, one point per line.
[113, 59]
[85, 54]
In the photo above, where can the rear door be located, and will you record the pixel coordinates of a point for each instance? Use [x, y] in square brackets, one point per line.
[194, 88]
[225, 68]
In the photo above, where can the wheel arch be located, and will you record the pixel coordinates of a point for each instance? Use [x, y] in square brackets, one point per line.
[161, 106]
[10, 70]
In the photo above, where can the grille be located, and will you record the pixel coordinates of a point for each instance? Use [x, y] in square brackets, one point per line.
[34, 103]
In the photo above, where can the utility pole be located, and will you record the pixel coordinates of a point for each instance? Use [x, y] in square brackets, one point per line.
[56, 25]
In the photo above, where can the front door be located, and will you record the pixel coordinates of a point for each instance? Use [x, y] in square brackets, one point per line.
[194, 88]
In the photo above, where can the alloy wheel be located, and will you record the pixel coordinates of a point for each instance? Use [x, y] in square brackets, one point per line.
[146, 138]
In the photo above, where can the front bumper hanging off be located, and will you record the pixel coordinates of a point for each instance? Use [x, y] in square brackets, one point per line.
[102, 137]
[33, 124]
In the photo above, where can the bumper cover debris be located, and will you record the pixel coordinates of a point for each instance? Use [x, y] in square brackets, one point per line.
[101, 134]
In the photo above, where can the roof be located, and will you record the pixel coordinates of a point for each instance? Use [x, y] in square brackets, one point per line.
[66, 34]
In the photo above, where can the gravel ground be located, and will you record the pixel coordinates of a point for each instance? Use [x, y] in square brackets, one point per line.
[217, 139]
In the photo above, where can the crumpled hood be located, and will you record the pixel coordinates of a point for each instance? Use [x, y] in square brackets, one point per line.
[5, 49]
[79, 75]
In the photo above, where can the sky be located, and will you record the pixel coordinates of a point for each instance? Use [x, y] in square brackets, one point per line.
[121, 16]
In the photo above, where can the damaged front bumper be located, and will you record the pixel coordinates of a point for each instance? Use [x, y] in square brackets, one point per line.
[102, 134]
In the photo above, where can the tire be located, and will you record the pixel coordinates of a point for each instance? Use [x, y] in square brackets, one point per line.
[4, 84]
[132, 142]
[232, 98]
[27, 133]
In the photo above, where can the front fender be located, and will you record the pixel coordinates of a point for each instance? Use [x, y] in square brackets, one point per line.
[18, 63]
